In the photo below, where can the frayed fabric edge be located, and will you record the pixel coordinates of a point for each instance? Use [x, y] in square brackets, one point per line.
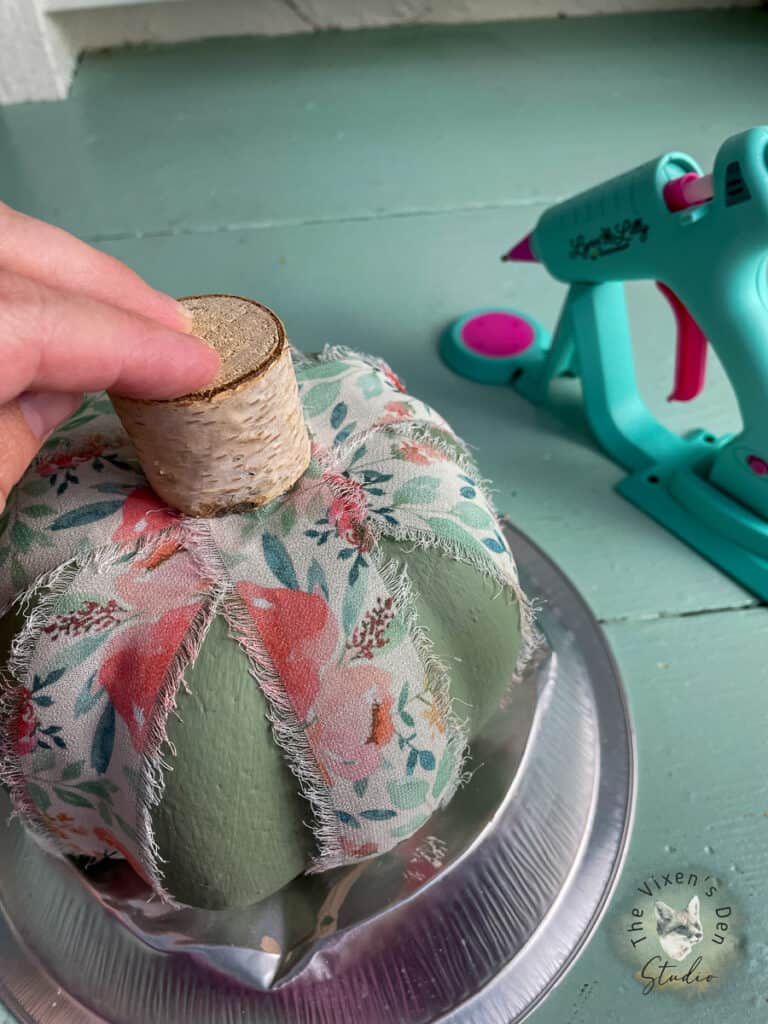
[531, 641]
[153, 766]
[397, 581]
[286, 728]
[105, 554]
[56, 582]
[12, 776]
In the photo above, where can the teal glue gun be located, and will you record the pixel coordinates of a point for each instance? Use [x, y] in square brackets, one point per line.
[704, 239]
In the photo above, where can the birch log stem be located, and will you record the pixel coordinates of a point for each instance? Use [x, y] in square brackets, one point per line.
[241, 442]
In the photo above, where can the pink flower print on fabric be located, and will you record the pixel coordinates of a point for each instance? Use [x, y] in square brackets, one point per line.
[143, 514]
[420, 453]
[343, 707]
[137, 659]
[24, 724]
[135, 664]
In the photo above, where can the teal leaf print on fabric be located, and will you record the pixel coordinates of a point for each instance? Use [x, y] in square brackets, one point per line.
[322, 370]
[378, 814]
[68, 796]
[279, 561]
[316, 578]
[22, 536]
[360, 786]
[338, 414]
[34, 537]
[345, 433]
[287, 518]
[38, 511]
[83, 649]
[72, 771]
[103, 740]
[407, 795]
[370, 384]
[320, 397]
[18, 575]
[421, 490]
[427, 760]
[38, 796]
[43, 761]
[358, 454]
[452, 532]
[86, 514]
[347, 819]
[113, 488]
[493, 545]
[352, 606]
[472, 514]
[35, 488]
[98, 787]
[52, 731]
[356, 567]
[113, 460]
[126, 828]
[49, 680]
[250, 522]
[87, 699]
[373, 476]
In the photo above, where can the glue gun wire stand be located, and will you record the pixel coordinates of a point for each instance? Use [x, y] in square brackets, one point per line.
[704, 239]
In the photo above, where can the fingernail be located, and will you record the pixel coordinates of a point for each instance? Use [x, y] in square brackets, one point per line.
[45, 410]
[186, 318]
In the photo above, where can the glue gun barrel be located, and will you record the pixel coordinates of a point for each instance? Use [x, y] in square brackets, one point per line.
[615, 231]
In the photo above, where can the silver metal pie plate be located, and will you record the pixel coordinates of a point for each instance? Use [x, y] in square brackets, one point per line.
[475, 919]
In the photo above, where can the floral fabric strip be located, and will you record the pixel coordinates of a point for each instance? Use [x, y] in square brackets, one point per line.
[126, 589]
[361, 712]
[85, 490]
[97, 671]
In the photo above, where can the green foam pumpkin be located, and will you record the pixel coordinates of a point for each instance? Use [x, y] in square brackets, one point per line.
[230, 702]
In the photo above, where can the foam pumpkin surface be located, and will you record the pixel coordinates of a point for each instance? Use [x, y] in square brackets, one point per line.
[229, 701]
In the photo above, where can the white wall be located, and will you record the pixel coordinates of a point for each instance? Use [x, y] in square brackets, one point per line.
[41, 39]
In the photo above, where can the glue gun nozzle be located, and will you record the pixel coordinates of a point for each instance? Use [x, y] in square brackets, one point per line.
[521, 252]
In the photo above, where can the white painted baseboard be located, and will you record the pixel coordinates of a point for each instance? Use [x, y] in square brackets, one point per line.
[41, 39]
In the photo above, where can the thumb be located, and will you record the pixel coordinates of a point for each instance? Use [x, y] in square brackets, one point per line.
[24, 425]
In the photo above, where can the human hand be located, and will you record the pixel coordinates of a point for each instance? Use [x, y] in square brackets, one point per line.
[73, 319]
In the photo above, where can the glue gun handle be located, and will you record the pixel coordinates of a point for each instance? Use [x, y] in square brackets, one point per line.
[691, 365]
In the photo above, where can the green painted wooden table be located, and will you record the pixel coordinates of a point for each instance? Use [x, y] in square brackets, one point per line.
[364, 186]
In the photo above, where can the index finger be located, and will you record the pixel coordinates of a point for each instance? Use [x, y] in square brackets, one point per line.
[52, 256]
[59, 341]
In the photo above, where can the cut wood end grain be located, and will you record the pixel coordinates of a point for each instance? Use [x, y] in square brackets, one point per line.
[242, 441]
